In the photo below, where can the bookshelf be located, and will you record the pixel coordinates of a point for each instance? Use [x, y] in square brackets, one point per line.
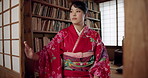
[93, 19]
[44, 18]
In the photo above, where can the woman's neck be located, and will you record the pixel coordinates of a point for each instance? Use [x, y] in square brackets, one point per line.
[79, 27]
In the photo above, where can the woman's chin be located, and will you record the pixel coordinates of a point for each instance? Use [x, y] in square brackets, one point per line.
[75, 23]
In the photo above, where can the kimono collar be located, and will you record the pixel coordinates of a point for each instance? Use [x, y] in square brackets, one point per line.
[79, 33]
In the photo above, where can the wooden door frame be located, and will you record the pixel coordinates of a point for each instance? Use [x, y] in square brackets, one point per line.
[136, 39]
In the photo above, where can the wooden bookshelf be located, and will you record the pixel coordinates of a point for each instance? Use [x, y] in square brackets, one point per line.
[43, 19]
[49, 4]
[89, 18]
[45, 32]
[93, 10]
[93, 18]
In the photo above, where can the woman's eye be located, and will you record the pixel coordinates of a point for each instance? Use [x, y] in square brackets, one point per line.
[70, 11]
[78, 11]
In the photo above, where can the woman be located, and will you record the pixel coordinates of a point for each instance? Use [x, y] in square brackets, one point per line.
[75, 52]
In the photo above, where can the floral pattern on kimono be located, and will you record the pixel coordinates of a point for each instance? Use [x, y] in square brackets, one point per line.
[50, 63]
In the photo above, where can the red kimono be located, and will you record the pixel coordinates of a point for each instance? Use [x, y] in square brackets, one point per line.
[69, 55]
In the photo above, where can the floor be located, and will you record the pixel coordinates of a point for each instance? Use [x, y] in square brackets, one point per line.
[114, 73]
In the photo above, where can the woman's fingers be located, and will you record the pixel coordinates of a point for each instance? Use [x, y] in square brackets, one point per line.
[26, 45]
[28, 51]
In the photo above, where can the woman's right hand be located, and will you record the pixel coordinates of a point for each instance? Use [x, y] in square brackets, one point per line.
[28, 51]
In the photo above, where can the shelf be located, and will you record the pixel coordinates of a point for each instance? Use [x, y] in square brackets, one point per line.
[44, 17]
[93, 11]
[95, 28]
[45, 32]
[48, 4]
[93, 19]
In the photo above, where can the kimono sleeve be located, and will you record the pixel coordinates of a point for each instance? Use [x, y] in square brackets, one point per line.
[49, 63]
[101, 67]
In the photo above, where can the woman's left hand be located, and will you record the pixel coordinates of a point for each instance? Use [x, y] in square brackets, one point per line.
[96, 77]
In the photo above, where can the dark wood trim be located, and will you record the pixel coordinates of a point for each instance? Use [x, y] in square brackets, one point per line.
[7, 73]
[3, 34]
[15, 22]
[22, 61]
[9, 54]
[8, 39]
[117, 21]
[11, 38]
[28, 36]
[10, 8]
[100, 32]
[46, 32]
[99, 1]
[11, 23]
[5, 11]
[93, 11]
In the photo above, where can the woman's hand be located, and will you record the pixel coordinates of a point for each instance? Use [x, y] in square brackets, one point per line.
[96, 77]
[29, 52]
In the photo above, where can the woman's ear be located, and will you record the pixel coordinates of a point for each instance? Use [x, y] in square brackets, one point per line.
[86, 15]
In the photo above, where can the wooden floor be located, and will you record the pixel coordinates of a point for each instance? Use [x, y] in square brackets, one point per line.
[114, 73]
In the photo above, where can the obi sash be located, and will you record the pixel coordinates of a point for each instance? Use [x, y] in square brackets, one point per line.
[77, 64]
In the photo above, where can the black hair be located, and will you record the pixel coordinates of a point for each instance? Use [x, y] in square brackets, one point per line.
[81, 5]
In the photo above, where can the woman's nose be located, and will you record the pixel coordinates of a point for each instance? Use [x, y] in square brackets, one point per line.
[74, 14]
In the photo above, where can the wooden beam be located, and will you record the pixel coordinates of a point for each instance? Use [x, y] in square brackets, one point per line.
[7, 73]
[136, 39]
[99, 1]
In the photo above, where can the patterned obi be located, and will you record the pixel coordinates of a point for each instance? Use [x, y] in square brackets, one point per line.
[76, 63]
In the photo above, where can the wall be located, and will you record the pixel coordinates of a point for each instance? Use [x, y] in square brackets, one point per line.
[136, 39]
[111, 51]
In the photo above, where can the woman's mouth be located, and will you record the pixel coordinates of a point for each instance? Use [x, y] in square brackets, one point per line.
[74, 18]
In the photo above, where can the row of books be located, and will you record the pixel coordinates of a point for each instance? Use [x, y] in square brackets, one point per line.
[94, 15]
[39, 24]
[62, 3]
[66, 3]
[53, 12]
[40, 42]
[93, 24]
[48, 11]
[92, 5]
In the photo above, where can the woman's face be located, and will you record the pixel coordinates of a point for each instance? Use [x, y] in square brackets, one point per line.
[77, 16]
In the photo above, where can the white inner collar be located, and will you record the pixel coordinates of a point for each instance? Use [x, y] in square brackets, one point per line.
[79, 33]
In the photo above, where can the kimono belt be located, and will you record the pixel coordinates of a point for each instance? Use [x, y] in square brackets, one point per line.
[78, 63]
